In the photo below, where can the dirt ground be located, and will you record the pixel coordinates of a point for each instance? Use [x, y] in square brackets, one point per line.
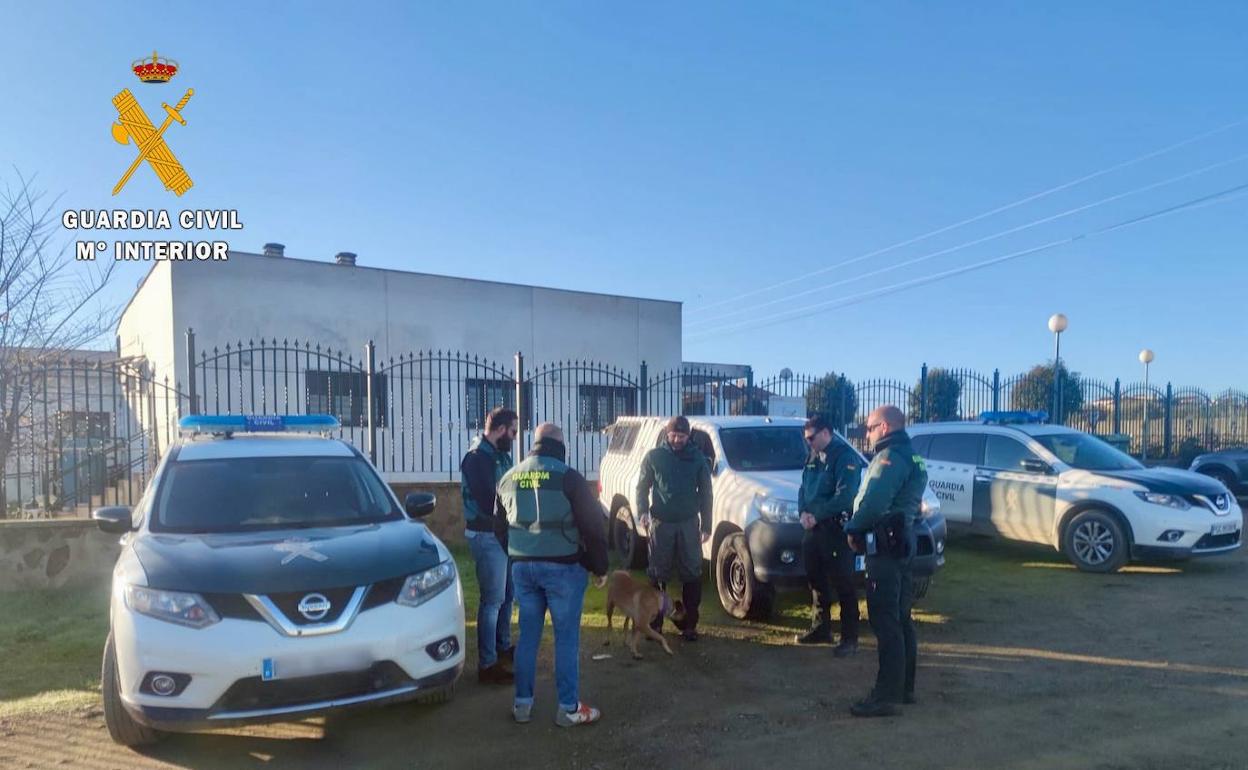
[1024, 663]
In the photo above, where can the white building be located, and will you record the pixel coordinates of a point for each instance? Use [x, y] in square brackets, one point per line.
[427, 401]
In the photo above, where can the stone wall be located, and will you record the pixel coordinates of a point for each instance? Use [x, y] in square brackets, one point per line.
[52, 554]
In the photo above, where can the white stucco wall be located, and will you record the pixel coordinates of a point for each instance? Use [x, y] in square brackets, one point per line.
[251, 296]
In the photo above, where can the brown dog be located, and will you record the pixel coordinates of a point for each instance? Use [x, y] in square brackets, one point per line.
[640, 603]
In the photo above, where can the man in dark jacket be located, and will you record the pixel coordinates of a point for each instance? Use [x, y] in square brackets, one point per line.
[826, 500]
[674, 491]
[882, 527]
[485, 526]
[556, 533]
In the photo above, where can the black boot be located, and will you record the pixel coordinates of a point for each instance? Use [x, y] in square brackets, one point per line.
[874, 708]
[691, 596]
[820, 631]
[846, 648]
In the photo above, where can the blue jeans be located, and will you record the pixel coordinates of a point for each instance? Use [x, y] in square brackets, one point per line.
[494, 607]
[543, 585]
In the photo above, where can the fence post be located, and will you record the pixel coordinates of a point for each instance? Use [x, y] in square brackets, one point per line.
[842, 386]
[1167, 427]
[1117, 406]
[749, 391]
[996, 390]
[643, 387]
[190, 370]
[518, 447]
[923, 393]
[370, 396]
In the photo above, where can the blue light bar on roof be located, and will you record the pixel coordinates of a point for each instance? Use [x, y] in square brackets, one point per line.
[1017, 416]
[257, 423]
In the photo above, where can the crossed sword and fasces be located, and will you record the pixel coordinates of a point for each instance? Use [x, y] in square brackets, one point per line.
[135, 126]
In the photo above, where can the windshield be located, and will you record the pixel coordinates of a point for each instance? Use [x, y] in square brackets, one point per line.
[765, 449]
[247, 494]
[1086, 452]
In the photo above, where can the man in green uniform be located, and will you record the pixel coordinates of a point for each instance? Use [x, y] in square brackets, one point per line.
[826, 500]
[675, 491]
[883, 528]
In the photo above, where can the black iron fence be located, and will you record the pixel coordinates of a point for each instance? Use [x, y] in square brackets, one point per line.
[90, 433]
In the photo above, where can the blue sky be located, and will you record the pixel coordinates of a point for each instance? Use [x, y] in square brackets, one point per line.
[700, 151]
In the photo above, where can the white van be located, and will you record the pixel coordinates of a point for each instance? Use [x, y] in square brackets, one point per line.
[756, 465]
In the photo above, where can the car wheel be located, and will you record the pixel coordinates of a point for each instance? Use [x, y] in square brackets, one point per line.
[1094, 541]
[1227, 479]
[921, 584]
[122, 727]
[740, 593]
[629, 546]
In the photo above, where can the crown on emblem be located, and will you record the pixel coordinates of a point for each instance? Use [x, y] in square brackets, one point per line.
[157, 69]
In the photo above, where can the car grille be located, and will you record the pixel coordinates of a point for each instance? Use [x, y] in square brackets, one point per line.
[1210, 542]
[233, 606]
[236, 607]
[288, 603]
[925, 546]
[254, 693]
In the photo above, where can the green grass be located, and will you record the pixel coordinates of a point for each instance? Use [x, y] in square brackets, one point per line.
[52, 642]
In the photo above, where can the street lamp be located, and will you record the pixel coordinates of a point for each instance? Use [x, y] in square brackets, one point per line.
[1057, 325]
[1146, 358]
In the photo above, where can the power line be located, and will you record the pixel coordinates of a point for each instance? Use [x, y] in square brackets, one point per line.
[1020, 202]
[1222, 196]
[1010, 231]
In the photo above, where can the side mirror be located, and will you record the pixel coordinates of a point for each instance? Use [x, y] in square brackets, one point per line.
[418, 504]
[113, 519]
[1032, 465]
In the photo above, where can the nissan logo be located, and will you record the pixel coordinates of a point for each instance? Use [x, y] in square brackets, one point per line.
[314, 606]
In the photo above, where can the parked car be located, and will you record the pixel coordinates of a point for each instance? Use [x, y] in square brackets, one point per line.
[1229, 466]
[1016, 478]
[756, 467]
[267, 574]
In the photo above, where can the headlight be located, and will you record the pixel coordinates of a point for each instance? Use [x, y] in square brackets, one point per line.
[174, 606]
[929, 506]
[1170, 501]
[423, 586]
[778, 511]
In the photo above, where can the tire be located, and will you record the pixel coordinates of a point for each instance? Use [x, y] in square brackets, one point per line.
[122, 727]
[1228, 481]
[629, 546]
[741, 594]
[1095, 541]
[921, 584]
[439, 696]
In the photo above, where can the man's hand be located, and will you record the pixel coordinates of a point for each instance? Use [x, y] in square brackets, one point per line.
[645, 522]
[854, 543]
[807, 520]
[601, 581]
[706, 536]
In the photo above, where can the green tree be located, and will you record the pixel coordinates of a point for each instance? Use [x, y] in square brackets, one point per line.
[832, 396]
[941, 394]
[1034, 390]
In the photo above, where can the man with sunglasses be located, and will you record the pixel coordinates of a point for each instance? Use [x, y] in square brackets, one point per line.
[882, 527]
[485, 524]
[826, 500]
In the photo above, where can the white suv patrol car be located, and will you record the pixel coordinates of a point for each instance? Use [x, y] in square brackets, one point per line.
[1013, 477]
[266, 574]
[756, 542]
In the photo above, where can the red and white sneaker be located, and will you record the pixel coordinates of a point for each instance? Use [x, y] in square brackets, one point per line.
[584, 715]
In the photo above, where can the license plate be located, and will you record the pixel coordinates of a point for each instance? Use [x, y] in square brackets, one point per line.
[860, 563]
[1224, 529]
[312, 664]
